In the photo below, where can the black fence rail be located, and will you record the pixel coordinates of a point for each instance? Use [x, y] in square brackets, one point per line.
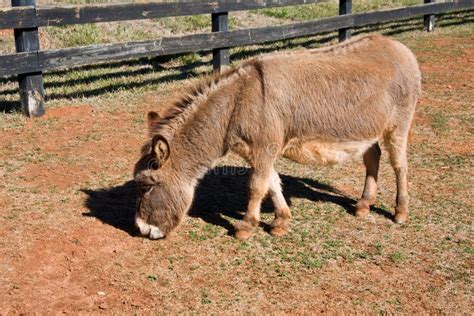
[29, 62]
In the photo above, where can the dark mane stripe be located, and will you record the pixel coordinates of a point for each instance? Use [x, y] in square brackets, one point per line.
[184, 103]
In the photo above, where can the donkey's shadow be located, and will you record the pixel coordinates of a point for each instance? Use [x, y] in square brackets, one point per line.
[221, 194]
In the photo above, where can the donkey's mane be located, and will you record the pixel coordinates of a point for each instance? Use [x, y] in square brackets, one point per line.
[339, 48]
[184, 101]
[348, 45]
[182, 106]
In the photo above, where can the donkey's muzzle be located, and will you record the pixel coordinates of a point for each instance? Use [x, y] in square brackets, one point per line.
[147, 230]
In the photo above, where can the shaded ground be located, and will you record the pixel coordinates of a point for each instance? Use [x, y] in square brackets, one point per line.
[67, 243]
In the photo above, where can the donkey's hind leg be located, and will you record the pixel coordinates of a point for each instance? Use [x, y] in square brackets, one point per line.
[281, 224]
[259, 184]
[371, 162]
[396, 143]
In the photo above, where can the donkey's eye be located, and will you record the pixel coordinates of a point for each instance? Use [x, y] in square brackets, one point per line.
[145, 188]
[154, 165]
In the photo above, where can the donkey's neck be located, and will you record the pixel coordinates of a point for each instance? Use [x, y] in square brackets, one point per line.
[201, 139]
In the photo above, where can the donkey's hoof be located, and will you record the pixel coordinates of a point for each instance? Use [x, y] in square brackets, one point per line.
[243, 234]
[278, 231]
[280, 227]
[362, 212]
[363, 208]
[243, 230]
[400, 218]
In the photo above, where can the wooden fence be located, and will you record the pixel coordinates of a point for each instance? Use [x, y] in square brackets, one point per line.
[30, 62]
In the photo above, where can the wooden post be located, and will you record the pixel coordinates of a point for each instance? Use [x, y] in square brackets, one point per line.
[31, 84]
[429, 20]
[220, 56]
[345, 7]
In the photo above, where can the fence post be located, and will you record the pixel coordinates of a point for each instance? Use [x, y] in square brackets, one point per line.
[220, 56]
[429, 20]
[345, 7]
[31, 84]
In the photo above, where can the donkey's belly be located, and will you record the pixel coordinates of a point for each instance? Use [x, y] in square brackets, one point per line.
[317, 152]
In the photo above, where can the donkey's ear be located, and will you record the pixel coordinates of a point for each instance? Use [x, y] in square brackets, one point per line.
[161, 148]
[153, 118]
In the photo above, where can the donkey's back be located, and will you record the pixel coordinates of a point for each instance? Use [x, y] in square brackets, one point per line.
[352, 92]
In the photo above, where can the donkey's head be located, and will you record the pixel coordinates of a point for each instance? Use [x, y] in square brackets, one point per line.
[163, 196]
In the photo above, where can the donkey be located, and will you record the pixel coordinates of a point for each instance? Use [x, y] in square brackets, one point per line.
[313, 106]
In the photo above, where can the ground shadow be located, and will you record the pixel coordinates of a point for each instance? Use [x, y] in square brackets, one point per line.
[220, 195]
[114, 206]
[10, 106]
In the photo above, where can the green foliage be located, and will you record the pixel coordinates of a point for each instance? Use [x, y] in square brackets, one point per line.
[186, 23]
[369, 5]
[77, 35]
[207, 232]
[439, 122]
[398, 257]
[308, 260]
[469, 250]
[92, 34]
[327, 9]
[302, 12]
[189, 59]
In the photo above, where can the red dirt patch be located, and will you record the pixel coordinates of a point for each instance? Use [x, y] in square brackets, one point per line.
[73, 111]
[465, 147]
[6, 33]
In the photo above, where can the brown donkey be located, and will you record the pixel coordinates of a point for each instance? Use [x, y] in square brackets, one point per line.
[312, 106]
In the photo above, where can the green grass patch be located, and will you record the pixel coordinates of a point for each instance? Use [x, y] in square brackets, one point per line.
[469, 250]
[207, 232]
[327, 9]
[398, 257]
[94, 34]
[439, 122]
[186, 23]
[189, 59]
[77, 35]
[302, 12]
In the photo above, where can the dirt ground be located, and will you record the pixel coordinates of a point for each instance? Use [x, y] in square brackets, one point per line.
[67, 243]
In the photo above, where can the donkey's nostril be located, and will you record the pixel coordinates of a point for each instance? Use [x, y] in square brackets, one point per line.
[148, 230]
[142, 226]
[155, 233]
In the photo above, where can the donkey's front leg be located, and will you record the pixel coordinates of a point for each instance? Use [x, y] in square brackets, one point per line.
[259, 183]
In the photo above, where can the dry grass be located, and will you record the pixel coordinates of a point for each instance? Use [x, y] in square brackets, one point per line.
[66, 204]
